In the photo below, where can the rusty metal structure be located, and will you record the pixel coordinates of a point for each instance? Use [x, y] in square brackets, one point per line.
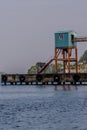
[67, 55]
[80, 39]
[66, 58]
[65, 45]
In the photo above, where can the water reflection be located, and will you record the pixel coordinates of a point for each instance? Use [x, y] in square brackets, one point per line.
[65, 87]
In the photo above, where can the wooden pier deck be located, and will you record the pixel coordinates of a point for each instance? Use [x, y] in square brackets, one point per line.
[45, 79]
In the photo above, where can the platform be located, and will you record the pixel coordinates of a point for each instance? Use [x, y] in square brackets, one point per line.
[44, 79]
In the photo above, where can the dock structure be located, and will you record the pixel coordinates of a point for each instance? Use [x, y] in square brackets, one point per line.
[45, 79]
[65, 44]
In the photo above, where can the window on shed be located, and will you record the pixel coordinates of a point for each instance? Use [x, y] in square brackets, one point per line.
[61, 36]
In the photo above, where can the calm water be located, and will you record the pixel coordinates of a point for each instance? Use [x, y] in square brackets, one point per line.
[43, 108]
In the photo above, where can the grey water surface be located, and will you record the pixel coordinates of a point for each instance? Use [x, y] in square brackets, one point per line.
[43, 108]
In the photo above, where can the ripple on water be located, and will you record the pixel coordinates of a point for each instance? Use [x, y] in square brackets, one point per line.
[43, 109]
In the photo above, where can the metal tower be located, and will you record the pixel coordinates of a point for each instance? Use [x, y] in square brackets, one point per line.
[65, 50]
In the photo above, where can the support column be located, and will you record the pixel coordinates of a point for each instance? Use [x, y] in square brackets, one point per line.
[64, 62]
[68, 60]
[76, 55]
[56, 66]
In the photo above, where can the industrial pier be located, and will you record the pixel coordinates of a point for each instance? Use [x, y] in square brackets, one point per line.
[45, 79]
[66, 52]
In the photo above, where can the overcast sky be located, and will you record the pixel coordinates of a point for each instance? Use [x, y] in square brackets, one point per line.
[27, 30]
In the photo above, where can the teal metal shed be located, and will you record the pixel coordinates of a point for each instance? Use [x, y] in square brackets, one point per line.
[64, 39]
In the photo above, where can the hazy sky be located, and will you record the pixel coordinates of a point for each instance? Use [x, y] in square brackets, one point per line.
[27, 30]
